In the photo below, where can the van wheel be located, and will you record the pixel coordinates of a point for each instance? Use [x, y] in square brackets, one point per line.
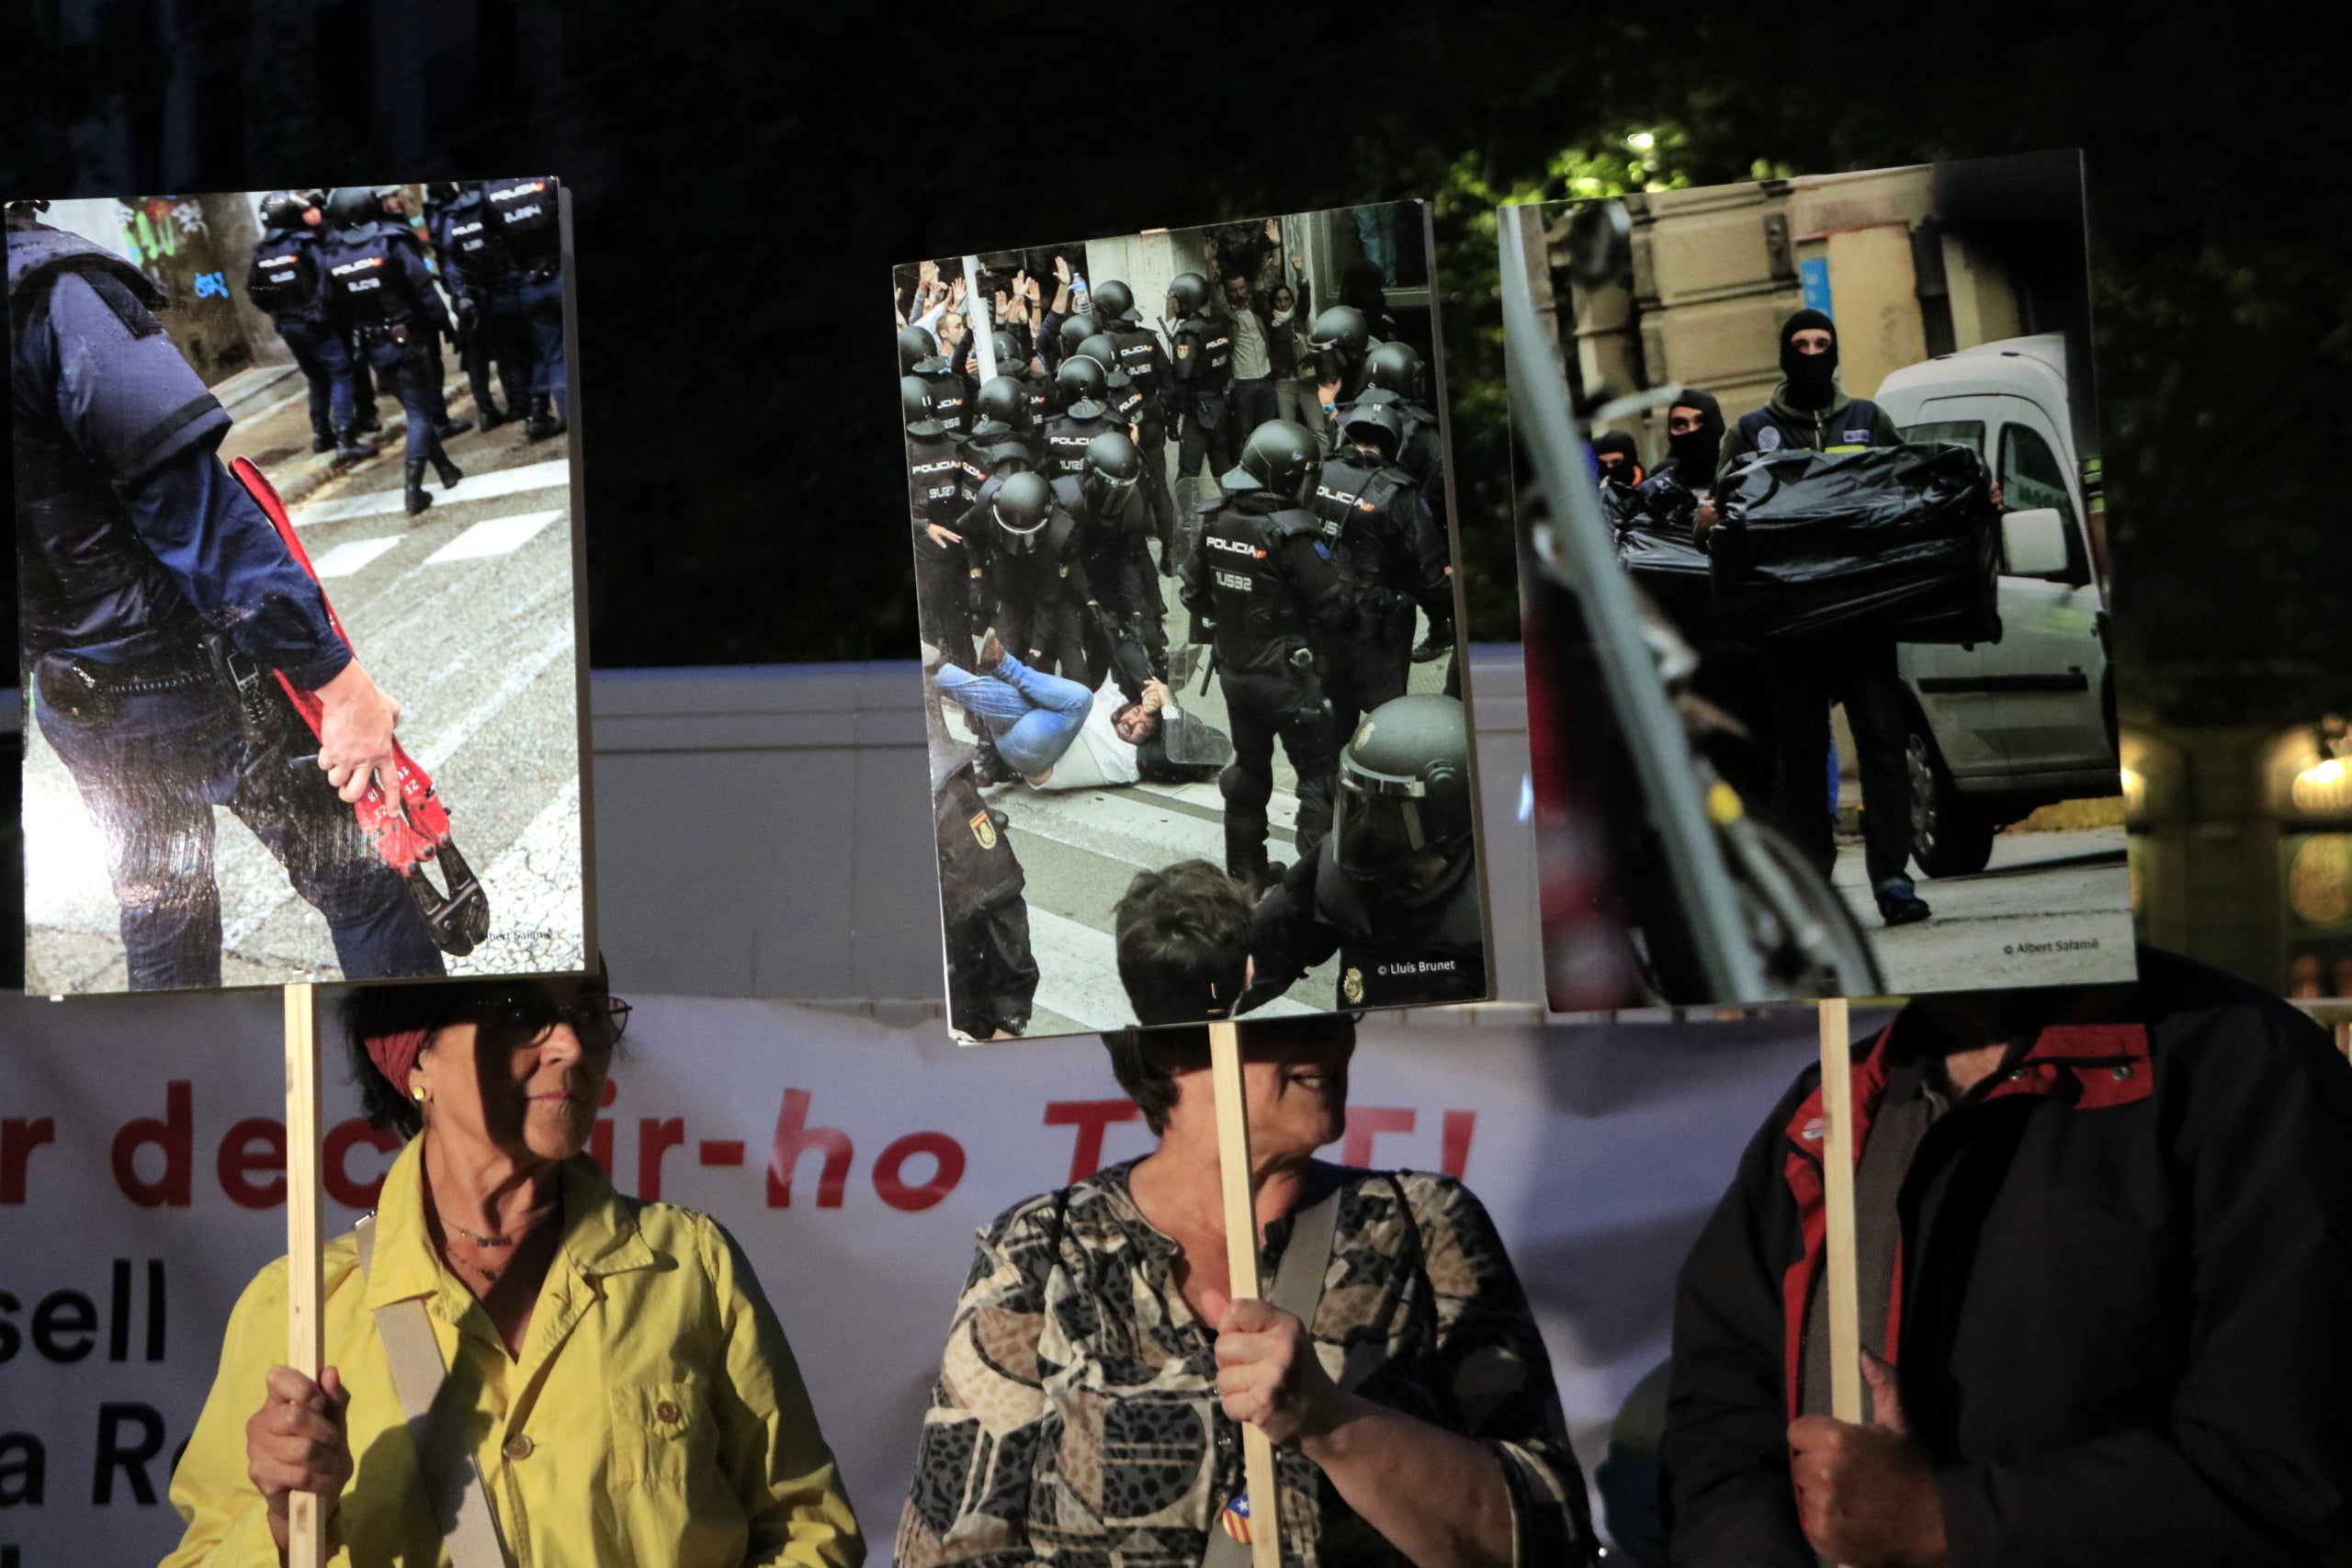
[1950, 835]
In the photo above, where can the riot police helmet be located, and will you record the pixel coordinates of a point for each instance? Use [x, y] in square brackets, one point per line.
[916, 407]
[282, 209]
[1109, 473]
[1075, 330]
[1005, 401]
[1375, 425]
[1188, 294]
[1009, 357]
[353, 207]
[1023, 503]
[1101, 350]
[915, 345]
[1395, 367]
[1082, 381]
[1281, 458]
[1113, 302]
[1340, 330]
[440, 191]
[1403, 811]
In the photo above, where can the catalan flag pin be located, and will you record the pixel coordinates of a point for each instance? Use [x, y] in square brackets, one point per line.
[1236, 1517]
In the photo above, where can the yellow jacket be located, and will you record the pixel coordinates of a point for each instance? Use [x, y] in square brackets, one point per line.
[655, 1416]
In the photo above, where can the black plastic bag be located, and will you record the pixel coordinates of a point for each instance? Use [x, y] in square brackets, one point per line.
[1658, 550]
[1892, 541]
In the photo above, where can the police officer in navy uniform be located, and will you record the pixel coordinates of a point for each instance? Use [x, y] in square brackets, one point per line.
[1085, 415]
[1340, 342]
[481, 284]
[152, 590]
[384, 300]
[1003, 439]
[951, 394]
[395, 211]
[1394, 373]
[1811, 410]
[1140, 355]
[1200, 371]
[1033, 575]
[1374, 516]
[943, 567]
[991, 971]
[286, 281]
[1265, 586]
[1103, 496]
[530, 224]
[1393, 889]
[1127, 404]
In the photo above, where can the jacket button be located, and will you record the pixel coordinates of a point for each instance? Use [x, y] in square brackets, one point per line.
[2123, 1071]
[2016, 1074]
[519, 1446]
[666, 1413]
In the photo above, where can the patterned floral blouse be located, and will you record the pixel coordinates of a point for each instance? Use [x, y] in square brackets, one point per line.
[1076, 1419]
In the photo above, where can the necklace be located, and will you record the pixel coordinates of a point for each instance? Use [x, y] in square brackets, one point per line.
[481, 1240]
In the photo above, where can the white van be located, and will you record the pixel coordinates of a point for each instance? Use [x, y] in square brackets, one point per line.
[1999, 729]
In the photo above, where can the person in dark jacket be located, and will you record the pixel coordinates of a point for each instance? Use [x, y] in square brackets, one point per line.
[2105, 1249]
[1809, 409]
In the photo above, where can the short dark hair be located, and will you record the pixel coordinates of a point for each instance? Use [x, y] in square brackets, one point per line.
[1145, 1061]
[1119, 717]
[368, 1012]
[1183, 942]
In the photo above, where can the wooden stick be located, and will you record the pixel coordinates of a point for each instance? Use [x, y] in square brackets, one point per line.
[1837, 1195]
[1241, 1264]
[305, 1333]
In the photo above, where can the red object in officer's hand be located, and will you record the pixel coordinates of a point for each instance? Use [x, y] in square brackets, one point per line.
[405, 833]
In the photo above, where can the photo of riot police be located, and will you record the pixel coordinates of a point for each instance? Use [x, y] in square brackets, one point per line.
[1184, 574]
[1840, 435]
[300, 647]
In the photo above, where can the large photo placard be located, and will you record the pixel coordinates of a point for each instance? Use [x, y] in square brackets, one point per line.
[1819, 634]
[298, 556]
[1184, 569]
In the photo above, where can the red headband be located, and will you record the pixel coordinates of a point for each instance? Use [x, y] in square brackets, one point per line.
[395, 1053]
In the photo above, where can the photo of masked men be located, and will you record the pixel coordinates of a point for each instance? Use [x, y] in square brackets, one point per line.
[156, 599]
[1266, 585]
[1856, 672]
[1393, 887]
[286, 281]
[384, 301]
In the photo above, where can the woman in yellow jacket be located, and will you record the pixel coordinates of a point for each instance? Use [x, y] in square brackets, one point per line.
[627, 1391]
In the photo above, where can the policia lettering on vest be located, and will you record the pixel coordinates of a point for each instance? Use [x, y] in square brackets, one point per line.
[152, 586]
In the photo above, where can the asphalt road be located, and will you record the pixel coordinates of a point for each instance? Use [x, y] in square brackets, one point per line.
[1080, 848]
[2052, 909]
[465, 614]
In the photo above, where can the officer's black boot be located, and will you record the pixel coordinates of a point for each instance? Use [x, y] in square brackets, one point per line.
[451, 473]
[417, 499]
[351, 449]
[321, 439]
[493, 416]
[544, 422]
[448, 428]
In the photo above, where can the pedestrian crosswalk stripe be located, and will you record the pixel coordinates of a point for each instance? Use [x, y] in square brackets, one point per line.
[351, 555]
[498, 536]
[551, 475]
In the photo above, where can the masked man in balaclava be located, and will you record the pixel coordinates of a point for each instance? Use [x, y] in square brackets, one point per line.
[1809, 409]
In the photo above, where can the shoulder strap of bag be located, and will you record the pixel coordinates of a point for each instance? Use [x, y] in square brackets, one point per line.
[435, 1428]
[1298, 1290]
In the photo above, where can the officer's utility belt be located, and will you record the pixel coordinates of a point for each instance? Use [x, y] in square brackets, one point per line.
[368, 334]
[94, 693]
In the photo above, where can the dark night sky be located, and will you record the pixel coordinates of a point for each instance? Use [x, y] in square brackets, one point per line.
[746, 173]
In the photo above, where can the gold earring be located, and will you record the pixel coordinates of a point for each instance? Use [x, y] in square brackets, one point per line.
[417, 1094]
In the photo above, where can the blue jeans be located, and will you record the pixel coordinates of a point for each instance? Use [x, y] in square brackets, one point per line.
[151, 776]
[1033, 717]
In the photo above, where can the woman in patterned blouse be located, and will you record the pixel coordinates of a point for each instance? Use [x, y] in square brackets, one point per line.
[1087, 1409]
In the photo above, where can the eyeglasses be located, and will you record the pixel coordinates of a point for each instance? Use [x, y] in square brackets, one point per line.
[515, 1021]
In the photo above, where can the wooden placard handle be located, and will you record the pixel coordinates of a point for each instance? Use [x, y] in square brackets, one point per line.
[1838, 1200]
[1241, 1265]
[305, 1333]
